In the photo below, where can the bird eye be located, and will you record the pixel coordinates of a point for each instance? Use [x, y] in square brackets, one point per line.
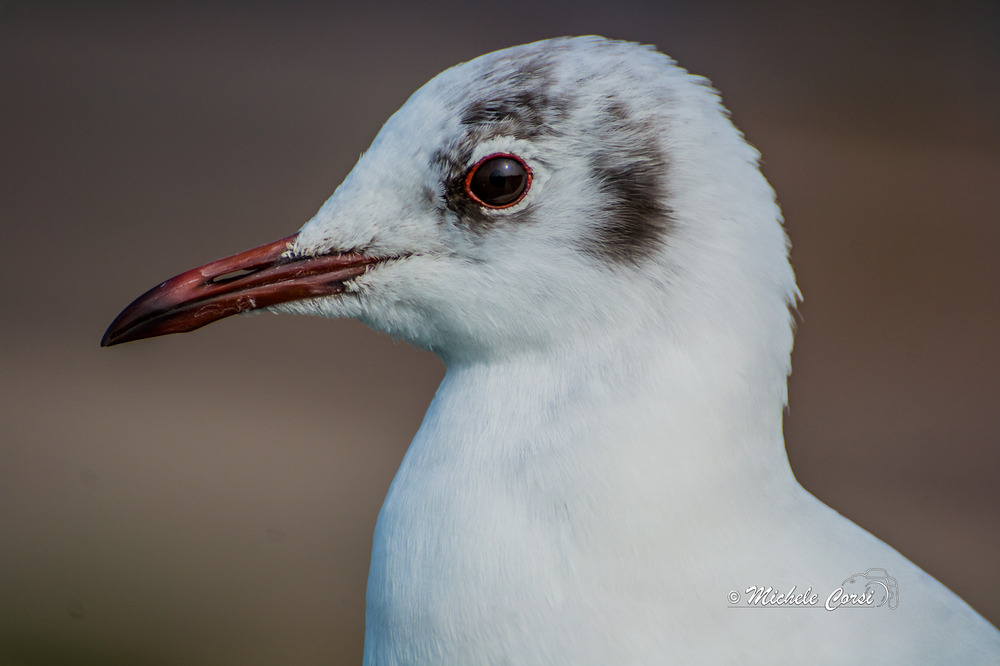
[498, 181]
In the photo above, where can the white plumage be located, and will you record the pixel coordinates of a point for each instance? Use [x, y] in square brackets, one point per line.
[603, 464]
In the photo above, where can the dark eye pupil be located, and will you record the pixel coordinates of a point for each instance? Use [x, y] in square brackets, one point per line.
[498, 181]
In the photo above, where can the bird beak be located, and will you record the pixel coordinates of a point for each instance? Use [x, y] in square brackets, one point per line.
[251, 280]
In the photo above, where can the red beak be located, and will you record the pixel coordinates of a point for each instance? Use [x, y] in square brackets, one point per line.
[250, 280]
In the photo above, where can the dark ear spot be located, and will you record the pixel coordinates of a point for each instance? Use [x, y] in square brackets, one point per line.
[630, 172]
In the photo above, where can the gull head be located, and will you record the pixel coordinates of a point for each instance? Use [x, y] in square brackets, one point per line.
[566, 192]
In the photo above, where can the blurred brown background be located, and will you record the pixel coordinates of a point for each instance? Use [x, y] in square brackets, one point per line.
[210, 498]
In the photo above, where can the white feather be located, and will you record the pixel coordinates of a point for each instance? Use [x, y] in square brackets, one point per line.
[604, 462]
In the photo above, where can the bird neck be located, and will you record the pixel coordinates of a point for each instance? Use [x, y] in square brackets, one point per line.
[623, 414]
[597, 462]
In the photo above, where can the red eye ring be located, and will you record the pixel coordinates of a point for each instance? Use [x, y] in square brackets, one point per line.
[499, 180]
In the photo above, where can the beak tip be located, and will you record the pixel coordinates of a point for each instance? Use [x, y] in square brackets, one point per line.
[110, 339]
[122, 329]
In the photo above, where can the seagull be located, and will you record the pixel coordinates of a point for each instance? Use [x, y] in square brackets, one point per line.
[576, 228]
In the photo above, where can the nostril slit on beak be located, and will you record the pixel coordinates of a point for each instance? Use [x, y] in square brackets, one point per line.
[232, 275]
